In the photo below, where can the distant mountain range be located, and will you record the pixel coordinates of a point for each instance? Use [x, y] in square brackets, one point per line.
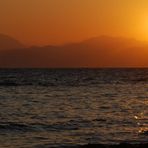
[101, 51]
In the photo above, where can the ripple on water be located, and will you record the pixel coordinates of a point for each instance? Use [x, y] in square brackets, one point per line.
[55, 107]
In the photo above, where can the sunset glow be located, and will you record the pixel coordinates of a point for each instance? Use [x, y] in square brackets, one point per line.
[43, 22]
[73, 73]
[105, 33]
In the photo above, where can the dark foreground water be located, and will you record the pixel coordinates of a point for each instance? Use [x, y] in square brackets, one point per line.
[65, 107]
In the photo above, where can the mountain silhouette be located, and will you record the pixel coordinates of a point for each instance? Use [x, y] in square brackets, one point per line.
[7, 42]
[101, 51]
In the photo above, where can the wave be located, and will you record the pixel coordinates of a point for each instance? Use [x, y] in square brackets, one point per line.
[71, 77]
[120, 145]
[23, 127]
[14, 127]
[145, 132]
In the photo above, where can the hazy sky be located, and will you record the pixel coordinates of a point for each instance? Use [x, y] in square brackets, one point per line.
[58, 21]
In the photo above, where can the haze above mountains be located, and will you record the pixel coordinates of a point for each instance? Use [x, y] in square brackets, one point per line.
[103, 51]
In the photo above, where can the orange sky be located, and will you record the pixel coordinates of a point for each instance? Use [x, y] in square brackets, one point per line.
[39, 22]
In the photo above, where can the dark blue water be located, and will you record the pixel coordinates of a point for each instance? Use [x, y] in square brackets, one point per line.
[65, 107]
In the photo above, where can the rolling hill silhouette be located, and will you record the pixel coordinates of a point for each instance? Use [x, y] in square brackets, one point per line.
[102, 51]
[7, 42]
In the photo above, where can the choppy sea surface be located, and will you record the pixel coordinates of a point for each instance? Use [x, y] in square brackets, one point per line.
[66, 107]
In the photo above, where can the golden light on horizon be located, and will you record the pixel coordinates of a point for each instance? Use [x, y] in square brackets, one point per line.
[56, 22]
[144, 26]
[73, 73]
[59, 21]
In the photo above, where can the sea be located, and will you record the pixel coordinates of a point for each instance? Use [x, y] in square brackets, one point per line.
[43, 108]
